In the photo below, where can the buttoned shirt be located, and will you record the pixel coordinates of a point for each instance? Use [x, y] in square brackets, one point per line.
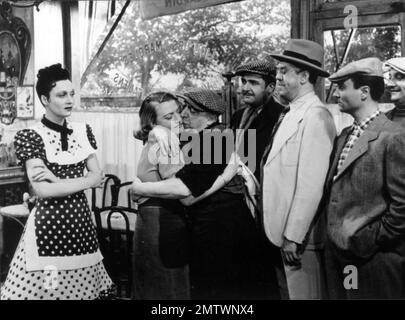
[356, 131]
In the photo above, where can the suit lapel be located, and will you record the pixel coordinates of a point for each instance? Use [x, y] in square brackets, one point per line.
[361, 145]
[339, 145]
[284, 133]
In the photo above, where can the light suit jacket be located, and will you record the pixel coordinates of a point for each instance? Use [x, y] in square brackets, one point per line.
[365, 202]
[295, 171]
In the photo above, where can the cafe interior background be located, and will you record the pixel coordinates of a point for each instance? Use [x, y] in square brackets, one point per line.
[119, 51]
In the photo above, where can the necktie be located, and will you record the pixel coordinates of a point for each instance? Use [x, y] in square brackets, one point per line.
[273, 133]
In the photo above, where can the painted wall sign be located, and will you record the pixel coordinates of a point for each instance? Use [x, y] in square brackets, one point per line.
[156, 8]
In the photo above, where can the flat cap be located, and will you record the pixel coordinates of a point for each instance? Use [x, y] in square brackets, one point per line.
[397, 64]
[367, 67]
[204, 100]
[263, 68]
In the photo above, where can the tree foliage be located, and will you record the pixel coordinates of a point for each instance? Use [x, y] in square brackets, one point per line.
[196, 45]
[381, 42]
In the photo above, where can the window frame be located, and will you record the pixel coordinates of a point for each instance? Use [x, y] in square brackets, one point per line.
[311, 18]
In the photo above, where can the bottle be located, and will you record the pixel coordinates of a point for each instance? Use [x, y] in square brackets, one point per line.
[2, 70]
[3, 156]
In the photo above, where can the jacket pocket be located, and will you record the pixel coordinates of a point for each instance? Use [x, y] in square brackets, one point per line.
[363, 242]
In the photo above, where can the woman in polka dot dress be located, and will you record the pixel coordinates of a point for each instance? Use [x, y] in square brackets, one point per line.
[58, 256]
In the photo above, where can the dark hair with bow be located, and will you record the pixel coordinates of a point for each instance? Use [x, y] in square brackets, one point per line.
[47, 78]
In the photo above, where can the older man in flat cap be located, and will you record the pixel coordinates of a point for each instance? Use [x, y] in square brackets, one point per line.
[396, 86]
[222, 230]
[294, 169]
[364, 198]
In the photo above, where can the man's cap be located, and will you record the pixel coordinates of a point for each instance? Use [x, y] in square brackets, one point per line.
[366, 67]
[304, 53]
[204, 100]
[398, 64]
[263, 68]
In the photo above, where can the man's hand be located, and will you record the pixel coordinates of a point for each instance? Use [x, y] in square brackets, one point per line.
[167, 140]
[291, 253]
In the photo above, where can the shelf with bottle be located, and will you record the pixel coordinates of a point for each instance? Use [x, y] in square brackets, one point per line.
[8, 71]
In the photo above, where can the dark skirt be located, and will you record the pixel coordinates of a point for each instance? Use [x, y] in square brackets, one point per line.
[225, 249]
[160, 256]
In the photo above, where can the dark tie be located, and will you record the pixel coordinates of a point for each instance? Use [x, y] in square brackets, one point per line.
[273, 133]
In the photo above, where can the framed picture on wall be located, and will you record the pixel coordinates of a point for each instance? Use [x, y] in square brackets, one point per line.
[25, 102]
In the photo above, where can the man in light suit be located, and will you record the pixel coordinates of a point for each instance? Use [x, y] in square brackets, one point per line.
[295, 168]
[365, 193]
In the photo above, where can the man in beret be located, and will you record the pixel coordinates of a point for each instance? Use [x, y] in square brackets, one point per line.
[396, 86]
[260, 114]
[294, 169]
[365, 193]
[222, 230]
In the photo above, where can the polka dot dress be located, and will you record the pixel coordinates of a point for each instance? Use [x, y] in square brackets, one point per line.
[63, 228]
[89, 283]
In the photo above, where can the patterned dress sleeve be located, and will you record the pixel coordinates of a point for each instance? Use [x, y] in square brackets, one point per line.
[91, 137]
[28, 145]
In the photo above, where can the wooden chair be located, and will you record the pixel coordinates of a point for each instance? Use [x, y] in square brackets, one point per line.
[116, 244]
[116, 190]
[108, 188]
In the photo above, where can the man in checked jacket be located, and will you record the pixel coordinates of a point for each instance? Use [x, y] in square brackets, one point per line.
[365, 193]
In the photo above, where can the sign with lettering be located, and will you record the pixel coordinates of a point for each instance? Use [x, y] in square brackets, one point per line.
[156, 8]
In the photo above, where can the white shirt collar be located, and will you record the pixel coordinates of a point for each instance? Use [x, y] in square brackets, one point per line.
[299, 102]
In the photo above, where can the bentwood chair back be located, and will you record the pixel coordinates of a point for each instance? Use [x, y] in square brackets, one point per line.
[116, 244]
[109, 192]
[118, 189]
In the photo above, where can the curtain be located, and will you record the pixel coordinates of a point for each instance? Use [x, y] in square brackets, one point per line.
[118, 150]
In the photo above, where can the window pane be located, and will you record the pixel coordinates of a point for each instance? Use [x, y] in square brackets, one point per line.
[381, 42]
[191, 49]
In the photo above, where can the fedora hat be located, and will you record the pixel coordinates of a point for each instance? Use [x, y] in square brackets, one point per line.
[303, 53]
